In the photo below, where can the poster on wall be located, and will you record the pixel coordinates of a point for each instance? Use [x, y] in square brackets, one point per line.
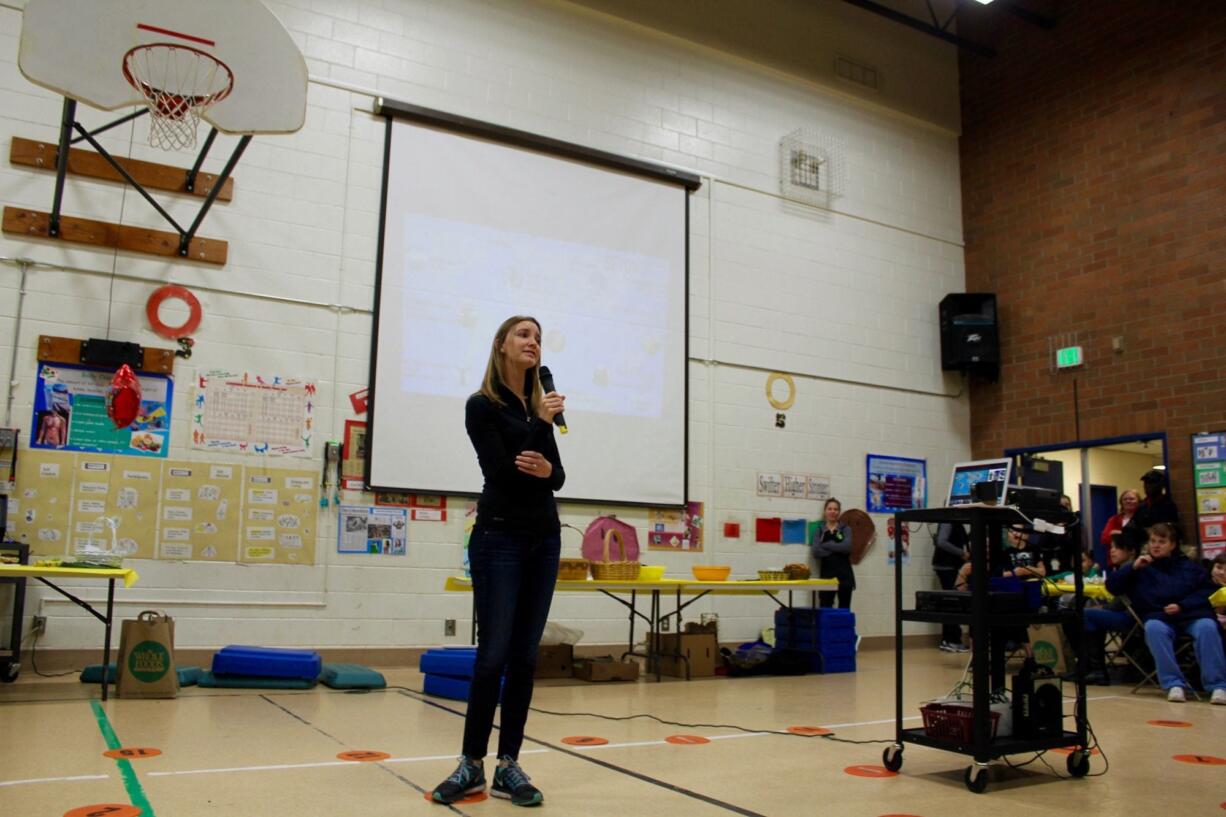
[669, 529]
[70, 413]
[253, 414]
[1209, 469]
[895, 484]
[279, 512]
[353, 456]
[373, 529]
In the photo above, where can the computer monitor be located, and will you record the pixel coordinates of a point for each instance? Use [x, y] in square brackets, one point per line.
[967, 474]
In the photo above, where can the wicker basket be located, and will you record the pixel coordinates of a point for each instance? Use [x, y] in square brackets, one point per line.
[797, 571]
[616, 571]
[772, 576]
[572, 570]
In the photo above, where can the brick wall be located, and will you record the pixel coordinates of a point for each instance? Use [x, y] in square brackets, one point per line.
[1093, 178]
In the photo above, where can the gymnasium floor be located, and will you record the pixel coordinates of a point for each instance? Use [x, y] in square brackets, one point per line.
[241, 752]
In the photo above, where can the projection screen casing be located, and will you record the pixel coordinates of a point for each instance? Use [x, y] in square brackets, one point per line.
[476, 230]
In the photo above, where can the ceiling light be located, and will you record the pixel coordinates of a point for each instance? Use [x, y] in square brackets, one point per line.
[984, 2]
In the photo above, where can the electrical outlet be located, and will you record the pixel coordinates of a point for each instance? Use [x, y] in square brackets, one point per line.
[449, 626]
[38, 624]
[664, 625]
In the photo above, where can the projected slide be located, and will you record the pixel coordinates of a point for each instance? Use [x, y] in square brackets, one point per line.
[476, 231]
[604, 313]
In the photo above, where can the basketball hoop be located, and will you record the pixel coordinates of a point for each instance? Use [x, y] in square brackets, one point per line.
[179, 83]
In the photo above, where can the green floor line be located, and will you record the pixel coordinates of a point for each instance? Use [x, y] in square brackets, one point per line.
[136, 793]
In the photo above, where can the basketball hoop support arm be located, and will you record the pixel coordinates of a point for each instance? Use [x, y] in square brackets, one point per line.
[68, 123]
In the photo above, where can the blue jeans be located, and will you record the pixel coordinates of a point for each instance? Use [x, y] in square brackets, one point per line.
[513, 576]
[1160, 637]
[1100, 619]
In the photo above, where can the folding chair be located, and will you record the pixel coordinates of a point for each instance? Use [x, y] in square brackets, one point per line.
[1185, 655]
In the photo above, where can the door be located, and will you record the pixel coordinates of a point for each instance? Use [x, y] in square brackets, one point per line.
[1104, 504]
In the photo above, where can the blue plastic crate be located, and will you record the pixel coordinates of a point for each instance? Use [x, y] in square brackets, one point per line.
[455, 663]
[267, 662]
[444, 686]
[789, 636]
[839, 665]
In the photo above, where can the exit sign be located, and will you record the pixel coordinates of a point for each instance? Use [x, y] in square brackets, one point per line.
[1069, 357]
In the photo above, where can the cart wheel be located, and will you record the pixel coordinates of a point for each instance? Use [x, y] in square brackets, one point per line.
[1079, 763]
[891, 758]
[976, 778]
[9, 672]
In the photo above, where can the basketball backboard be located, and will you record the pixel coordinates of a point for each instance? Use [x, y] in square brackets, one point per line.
[78, 49]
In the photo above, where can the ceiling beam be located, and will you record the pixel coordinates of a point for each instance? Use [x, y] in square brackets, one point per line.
[920, 25]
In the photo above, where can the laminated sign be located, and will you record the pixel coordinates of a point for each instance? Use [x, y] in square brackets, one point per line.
[146, 667]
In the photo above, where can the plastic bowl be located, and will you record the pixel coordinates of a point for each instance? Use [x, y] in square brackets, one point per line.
[711, 573]
[651, 573]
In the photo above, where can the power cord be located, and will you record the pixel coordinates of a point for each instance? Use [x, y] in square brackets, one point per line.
[34, 662]
[745, 729]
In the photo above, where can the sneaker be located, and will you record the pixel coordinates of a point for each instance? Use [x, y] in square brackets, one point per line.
[511, 783]
[945, 646]
[468, 778]
[959, 647]
[1176, 695]
[1218, 697]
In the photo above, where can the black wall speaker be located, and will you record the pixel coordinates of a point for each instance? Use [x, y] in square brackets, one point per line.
[970, 336]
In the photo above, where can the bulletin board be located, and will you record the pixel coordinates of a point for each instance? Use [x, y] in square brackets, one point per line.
[206, 499]
[105, 486]
[40, 509]
[1209, 464]
[280, 508]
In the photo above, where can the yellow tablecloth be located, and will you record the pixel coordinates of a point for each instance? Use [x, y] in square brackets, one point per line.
[1098, 592]
[688, 587]
[129, 576]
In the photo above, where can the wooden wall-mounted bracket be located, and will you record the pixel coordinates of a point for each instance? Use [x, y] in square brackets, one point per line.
[42, 155]
[19, 221]
[53, 349]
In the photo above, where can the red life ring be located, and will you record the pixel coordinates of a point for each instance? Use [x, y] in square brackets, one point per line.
[195, 313]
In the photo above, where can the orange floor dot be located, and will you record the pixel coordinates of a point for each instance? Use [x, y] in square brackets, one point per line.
[809, 730]
[1201, 760]
[584, 740]
[1171, 724]
[104, 810]
[686, 740]
[472, 798]
[869, 771]
[363, 756]
[132, 753]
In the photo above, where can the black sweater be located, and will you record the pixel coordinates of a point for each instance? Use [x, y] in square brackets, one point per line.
[510, 499]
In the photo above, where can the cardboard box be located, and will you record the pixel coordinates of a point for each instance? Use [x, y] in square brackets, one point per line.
[702, 650]
[555, 660]
[605, 668]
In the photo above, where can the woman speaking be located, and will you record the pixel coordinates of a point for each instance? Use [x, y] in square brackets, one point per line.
[512, 554]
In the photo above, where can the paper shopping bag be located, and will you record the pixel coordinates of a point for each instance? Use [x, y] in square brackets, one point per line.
[1047, 645]
[146, 665]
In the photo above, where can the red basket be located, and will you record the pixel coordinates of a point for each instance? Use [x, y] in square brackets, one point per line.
[953, 722]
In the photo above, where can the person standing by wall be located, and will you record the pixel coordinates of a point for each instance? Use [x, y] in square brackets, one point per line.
[831, 546]
[513, 556]
[949, 553]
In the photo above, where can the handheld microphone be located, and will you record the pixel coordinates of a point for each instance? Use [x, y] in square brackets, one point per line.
[548, 386]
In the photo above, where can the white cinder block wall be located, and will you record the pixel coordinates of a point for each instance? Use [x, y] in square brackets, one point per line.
[845, 300]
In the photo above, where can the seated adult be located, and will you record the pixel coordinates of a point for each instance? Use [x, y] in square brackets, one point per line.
[1170, 593]
[1125, 545]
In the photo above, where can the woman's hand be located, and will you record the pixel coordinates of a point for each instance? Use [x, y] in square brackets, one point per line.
[1142, 561]
[553, 403]
[533, 464]
[1172, 609]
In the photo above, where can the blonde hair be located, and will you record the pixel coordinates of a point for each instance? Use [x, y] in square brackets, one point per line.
[494, 374]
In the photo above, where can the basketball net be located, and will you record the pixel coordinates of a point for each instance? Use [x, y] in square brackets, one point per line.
[179, 83]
